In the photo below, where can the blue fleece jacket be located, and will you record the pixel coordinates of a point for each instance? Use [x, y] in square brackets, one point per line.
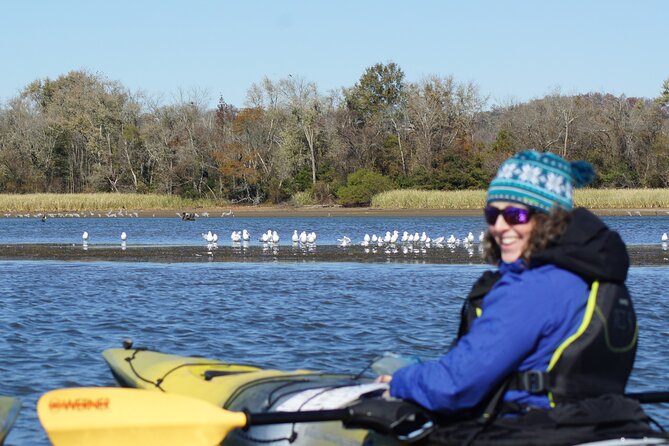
[526, 315]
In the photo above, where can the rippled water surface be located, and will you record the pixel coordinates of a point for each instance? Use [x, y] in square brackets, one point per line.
[58, 317]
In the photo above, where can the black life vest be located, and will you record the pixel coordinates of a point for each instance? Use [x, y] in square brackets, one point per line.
[596, 360]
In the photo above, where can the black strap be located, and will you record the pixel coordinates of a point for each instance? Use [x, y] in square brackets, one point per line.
[535, 382]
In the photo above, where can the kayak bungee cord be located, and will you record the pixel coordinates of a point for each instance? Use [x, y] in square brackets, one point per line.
[160, 380]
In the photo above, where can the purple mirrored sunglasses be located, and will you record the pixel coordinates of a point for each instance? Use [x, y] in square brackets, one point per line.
[512, 215]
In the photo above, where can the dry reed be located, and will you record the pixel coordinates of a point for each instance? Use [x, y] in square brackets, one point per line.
[96, 202]
[475, 199]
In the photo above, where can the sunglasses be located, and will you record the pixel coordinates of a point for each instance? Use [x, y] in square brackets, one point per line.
[511, 215]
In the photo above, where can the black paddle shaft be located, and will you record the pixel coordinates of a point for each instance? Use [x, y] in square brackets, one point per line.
[256, 419]
[649, 397]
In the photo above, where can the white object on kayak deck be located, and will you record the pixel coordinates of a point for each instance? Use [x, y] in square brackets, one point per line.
[328, 397]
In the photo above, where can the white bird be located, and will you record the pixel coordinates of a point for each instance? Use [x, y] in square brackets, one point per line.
[245, 235]
[296, 238]
[451, 240]
[405, 236]
[366, 238]
[214, 238]
[470, 238]
[394, 237]
[208, 237]
[303, 237]
[265, 237]
[235, 237]
[481, 236]
[275, 237]
[374, 238]
[387, 237]
[344, 242]
[423, 237]
[665, 237]
[438, 240]
[311, 237]
[124, 236]
[85, 236]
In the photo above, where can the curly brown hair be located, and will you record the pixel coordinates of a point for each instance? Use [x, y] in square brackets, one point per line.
[548, 228]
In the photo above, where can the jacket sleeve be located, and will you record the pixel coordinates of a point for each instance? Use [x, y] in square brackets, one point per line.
[508, 330]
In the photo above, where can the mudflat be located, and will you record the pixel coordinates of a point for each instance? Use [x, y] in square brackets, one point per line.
[640, 255]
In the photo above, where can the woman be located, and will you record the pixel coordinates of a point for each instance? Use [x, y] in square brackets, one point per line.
[528, 333]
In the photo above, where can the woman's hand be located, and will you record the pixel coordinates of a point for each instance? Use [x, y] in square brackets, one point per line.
[383, 379]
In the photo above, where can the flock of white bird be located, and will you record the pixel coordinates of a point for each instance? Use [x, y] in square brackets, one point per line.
[272, 237]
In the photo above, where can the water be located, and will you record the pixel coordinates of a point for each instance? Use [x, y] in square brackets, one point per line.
[59, 316]
[174, 231]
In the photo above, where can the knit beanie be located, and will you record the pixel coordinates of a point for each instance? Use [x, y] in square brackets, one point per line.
[539, 180]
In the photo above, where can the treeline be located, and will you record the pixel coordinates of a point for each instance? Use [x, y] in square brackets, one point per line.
[84, 133]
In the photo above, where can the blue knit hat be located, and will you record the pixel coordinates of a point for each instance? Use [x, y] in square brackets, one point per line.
[539, 180]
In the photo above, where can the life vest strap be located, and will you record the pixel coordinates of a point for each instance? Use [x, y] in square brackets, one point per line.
[531, 381]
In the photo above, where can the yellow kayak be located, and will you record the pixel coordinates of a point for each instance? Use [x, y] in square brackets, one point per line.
[242, 387]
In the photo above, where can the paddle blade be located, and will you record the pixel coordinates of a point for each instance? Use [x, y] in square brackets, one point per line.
[129, 417]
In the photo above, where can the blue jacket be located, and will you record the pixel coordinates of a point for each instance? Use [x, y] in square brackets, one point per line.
[526, 316]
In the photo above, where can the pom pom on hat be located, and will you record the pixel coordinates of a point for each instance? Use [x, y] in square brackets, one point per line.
[539, 180]
[582, 172]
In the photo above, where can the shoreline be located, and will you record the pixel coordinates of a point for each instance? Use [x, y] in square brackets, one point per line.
[304, 211]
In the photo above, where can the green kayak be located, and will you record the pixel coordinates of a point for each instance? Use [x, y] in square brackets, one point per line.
[9, 410]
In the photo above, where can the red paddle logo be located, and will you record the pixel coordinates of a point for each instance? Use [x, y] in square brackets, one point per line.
[79, 404]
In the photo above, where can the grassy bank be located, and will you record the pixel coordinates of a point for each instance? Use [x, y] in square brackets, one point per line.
[590, 198]
[96, 202]
[398, 199]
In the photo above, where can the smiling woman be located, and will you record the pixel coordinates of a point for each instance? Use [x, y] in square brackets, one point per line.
[525, 326]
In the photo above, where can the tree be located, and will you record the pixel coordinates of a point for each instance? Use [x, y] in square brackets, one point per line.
[663, 99]
[379, 87]
[304, 106]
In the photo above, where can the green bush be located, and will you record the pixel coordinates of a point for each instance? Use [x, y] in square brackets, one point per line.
[361, 186]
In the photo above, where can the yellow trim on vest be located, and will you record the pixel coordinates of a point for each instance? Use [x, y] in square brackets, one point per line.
[587, 317]
[589, 311]
[479, 311]
[623, 349]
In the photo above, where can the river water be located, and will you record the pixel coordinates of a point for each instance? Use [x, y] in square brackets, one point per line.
[58, 316]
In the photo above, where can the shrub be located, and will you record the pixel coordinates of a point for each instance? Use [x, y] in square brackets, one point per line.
[361, 186]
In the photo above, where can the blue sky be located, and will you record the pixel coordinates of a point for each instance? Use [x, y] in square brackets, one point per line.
[513, 50]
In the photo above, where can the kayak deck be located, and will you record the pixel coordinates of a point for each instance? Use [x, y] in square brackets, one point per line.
[237, 387]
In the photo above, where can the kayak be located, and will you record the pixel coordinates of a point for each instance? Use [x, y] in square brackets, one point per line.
[240, 387]
[9, 410]
[248, 388]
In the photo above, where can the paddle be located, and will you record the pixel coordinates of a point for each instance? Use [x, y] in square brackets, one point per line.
[128, 417]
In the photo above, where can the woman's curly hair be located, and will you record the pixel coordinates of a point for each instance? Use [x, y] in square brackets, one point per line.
[548, 228]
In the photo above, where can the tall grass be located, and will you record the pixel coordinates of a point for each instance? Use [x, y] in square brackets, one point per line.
[96, 202]
[475, 199]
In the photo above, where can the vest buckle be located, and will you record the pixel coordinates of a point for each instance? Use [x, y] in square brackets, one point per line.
[533, 381]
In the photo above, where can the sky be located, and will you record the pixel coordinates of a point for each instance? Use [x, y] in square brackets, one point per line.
[512, 50]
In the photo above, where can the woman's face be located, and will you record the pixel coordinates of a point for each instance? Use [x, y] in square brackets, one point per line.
[512, 239]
